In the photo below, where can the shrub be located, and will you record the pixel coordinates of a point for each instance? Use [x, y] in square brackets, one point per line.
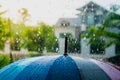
[114, 60]
[35, 54]
[4, 60]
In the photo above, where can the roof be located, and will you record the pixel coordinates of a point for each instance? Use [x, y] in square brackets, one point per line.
[91, 2]
[99, 5]
[73, 22]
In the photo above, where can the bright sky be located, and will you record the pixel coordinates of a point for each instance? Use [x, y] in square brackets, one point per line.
[48, 11]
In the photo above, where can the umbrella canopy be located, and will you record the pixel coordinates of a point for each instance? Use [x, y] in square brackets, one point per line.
[59, 68]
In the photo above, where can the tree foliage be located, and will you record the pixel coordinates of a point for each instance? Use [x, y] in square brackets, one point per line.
[4, 60]
[24, 14]
[4, 31]
[47, 33]
[34, 38]
[109, 31]
[106, 30]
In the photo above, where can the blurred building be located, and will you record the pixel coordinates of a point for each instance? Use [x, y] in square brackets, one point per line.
[90, 14]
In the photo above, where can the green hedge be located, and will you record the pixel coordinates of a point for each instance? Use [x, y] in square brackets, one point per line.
[114, 60]
[35, 54]
[4, 60]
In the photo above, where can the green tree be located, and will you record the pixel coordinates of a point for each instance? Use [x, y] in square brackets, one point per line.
[18, 29]
[24, 15]
[31, 39]
[36, 38]
[107, 31]
[47, 33]
[4, 31]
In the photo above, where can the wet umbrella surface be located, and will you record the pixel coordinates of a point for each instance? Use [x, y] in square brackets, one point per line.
[59, 68]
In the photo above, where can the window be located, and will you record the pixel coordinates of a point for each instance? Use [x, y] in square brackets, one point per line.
[62, 35]
[98, 19]
[65, 24]
[83, 18]
[90, 19]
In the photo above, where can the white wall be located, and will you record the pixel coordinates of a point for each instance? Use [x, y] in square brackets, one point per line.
[71, 30]
[110, 51]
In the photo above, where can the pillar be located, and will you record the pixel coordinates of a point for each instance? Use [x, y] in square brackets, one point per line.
[110, 51]
[85, 47]
[61, 45]
[7, 47]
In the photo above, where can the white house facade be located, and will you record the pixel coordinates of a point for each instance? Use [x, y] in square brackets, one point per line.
[90, 14]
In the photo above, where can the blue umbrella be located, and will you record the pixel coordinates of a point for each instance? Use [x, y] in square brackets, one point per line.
[59, 68]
